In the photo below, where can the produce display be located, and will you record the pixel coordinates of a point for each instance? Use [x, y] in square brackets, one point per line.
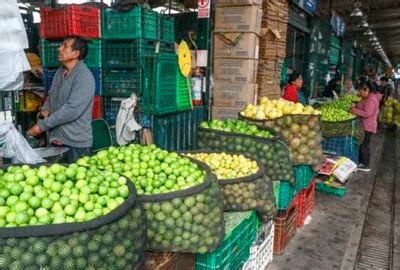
[226, 166]
[272, 109]
[181, 197]
[302, 133]
[237, 126]
[69, 218]
[57, 194]
[152, 170]
[271, 152]
[243, 182]
[390, 113]
[338, 121]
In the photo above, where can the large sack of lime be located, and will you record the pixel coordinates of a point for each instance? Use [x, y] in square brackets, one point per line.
[387, 114]
[299, 125]
[243, 182]
[235, 136]
[181, 197]
[338, 121]
[69, 218]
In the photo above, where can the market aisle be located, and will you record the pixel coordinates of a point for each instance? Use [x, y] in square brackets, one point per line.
[332, 238]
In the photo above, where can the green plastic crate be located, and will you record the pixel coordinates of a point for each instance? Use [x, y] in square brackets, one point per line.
[234, 249]
[284, 193]
[304, 175]
[127, 53]
[176, 131]
[49, 54]
[160, 95]
[167, 29]
[135, 23]
[322, 187]
[183, 86]
[122, 83]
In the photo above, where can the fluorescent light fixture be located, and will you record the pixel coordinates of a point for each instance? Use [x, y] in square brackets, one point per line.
[357, 12]
[373, 39]
[368, 32]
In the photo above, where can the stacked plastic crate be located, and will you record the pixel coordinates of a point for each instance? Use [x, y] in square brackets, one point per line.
[79, 20]
[295, 203]
[138, 57]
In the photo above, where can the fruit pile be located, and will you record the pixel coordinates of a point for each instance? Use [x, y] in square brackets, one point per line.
[303, 135]
[236, 126]
[390, 113]
[68, 207]
[226, 166]
[339, 110]
[182, 201]
[57, 194]
[272, 153]
[271, 109]
[152, 170]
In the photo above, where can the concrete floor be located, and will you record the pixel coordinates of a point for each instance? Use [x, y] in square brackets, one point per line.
[332, 238]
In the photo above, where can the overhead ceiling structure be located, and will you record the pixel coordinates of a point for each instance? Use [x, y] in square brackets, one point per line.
[367, 19]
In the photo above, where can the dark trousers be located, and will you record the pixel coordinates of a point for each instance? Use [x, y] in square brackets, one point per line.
[365, 152]
[75, 153]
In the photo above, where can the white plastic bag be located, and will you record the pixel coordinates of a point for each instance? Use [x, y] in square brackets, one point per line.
[126, 125]
[15, 145]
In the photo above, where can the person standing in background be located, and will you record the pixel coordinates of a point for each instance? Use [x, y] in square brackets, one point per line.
[348, 89]
[367, 110]
[293, 88]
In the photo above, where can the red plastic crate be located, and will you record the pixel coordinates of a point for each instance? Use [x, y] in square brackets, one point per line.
[80, 20]
[96, 108]
[285, 226]
[305, 204]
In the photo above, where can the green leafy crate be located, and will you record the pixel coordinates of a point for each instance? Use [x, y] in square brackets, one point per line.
[167, 29]
[159, 95]
[304, 175]
[122, 82]
[49, 53]
[241, 228]
[322, 187]
[127, 53]
[135, 23]
[183, 87]
[284, 193]
[178, 131]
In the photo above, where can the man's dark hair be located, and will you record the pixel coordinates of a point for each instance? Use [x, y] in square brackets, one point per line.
[80, 44]
[293, 77]
[384, 79]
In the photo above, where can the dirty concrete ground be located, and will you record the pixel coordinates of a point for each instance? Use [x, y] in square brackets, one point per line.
[331, 240]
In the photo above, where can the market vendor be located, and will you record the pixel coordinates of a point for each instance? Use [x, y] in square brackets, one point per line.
[293, 89]
[367, 109]
[67, 113]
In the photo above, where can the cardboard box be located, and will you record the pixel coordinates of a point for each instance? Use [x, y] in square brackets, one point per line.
[222, 113]
[238, 19]
[235, 70]
[236, 95]
[227, 3]
[236, 45]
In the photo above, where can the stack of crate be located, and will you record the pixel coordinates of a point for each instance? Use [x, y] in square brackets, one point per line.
[138, 57]
[73, 19]
[236, 43]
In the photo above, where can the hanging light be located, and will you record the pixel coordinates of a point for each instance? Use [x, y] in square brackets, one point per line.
[364, 23]
[368, 32]
[374, 38]
[357, 12]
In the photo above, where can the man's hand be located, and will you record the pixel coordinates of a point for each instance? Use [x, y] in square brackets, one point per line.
[44, 114]
[35, 131]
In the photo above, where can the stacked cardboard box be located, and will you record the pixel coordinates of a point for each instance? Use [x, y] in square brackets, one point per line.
[236, 50]
[272, 47]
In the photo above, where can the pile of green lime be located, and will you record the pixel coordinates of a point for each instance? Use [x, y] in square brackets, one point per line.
[152, 169]
[58, 194]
